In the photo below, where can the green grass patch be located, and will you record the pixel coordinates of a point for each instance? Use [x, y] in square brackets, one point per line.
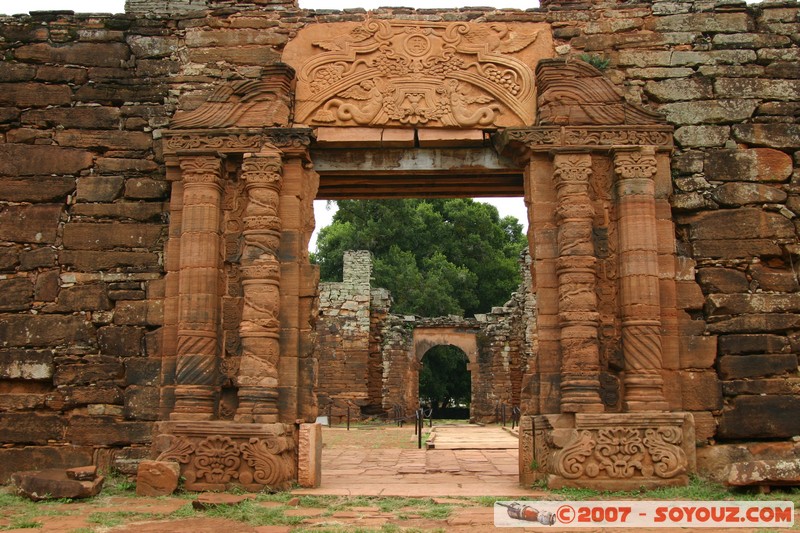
[117, 518]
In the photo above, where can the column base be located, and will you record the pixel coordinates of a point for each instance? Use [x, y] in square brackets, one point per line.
[613, 451]
[220, 455]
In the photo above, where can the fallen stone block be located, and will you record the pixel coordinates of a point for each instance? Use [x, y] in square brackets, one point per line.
[82, 473]
[157, 478]
[54, 484]
[767, 473]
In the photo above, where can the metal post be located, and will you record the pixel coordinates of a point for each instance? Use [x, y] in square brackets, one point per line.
[503, 414]
[420, 422]
[330, 414]
[348, 416]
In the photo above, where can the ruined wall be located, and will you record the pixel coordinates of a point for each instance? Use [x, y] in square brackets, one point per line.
[83, 217]
[371, 358]
[348, 339]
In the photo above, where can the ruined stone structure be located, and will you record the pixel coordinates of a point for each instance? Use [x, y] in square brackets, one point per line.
[157, 171]
[370, 359]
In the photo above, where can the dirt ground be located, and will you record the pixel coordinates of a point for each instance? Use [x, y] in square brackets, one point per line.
[117, 509]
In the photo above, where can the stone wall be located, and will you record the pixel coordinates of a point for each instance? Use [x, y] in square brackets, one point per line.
[83, 219]
[371, 358]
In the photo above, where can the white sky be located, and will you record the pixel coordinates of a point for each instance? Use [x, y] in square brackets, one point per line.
[507, 206]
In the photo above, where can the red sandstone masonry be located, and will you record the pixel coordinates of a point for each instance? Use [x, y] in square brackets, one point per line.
[85, 96]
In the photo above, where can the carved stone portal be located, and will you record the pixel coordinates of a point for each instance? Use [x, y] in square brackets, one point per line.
[622, 451]
[220, 455]
[423, 74]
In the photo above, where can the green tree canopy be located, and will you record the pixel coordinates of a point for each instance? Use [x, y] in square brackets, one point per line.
[444, 380]
[437, 257]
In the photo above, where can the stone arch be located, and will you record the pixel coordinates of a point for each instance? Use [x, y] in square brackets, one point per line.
[426, 338]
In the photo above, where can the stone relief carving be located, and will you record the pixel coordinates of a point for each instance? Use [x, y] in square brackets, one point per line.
[257, 103]
[404, 73]
[575, 93]
[229, 454]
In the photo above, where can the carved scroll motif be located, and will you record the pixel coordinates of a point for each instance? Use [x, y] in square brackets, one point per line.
[211, 459]
[570, 462]
[403, 73]
[663, 443]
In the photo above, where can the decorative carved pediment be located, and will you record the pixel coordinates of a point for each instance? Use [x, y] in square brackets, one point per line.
[416, 73]
[265, 102]
[574, 93]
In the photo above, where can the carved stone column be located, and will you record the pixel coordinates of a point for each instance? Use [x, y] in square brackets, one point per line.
[577, 298]
[196, 377]
[260, 327]
[638, 279]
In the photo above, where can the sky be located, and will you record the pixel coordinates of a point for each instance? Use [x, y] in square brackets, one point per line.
[323, 212]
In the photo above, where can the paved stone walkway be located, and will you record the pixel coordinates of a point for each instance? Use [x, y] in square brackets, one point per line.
[472, 437]
[423, 473]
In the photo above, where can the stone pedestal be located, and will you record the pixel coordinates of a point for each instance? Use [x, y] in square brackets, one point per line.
[620, 451]
[220, 455]
[309, 455]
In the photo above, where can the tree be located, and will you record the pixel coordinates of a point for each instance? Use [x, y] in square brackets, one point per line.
[437, 257]
[444, 379]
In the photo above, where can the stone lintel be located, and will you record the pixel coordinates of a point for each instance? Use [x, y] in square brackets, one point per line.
[219, 455]
[583, 138]
[235, 140]
[618, 451]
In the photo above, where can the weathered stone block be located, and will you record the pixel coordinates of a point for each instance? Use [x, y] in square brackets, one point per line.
[739, 304]
[89, 260]
[87, 370]
[104, 139]
[672, 90]
[120, 341]
[34, 160]
[34, 94]
[146, 189]
[772, 135]
[87, 54]
[755, 417]
[701, 391]
[144, 371]
[106, 236]
[44, 330]
[148, 46]
[54, 484]
[17, 294]
[107, 431]
[702, 136]
[770, 89]
[773, 279]
[69, 397]
[39, 189]
[697, 351]
[88, 117]
[199, 38]
[99, 188]
[749, 40]
[739, 194]
[42, 457]
[775, 472]
[58, 74]
[111, 165]
[689, 295]
[706, 22]
[26, 364]
[756, 365]
[764, 386]
[9, 258]
[237, 55]
[31, 428]
[157, 478]
[139, 312]
[44, 257]
[88, 297]
[768, 322]
[745, 344]
[738, 224]
[16, 72]
[30, 223]
[708, 112]
[309, 456]
[731, 249]
[48, 284]
[138, 211]
[141, 403]
[724, 280]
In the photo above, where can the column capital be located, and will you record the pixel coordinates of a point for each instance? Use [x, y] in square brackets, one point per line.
[201, 169]
[632, 164]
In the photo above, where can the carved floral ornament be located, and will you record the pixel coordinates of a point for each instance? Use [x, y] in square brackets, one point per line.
[417, 73]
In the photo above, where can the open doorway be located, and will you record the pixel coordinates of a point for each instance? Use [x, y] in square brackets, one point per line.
[445, 385]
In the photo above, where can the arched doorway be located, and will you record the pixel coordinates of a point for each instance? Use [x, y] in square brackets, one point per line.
[445, 385]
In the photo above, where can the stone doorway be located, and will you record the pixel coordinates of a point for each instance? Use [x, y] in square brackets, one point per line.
[393, 107]
[445, 382]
